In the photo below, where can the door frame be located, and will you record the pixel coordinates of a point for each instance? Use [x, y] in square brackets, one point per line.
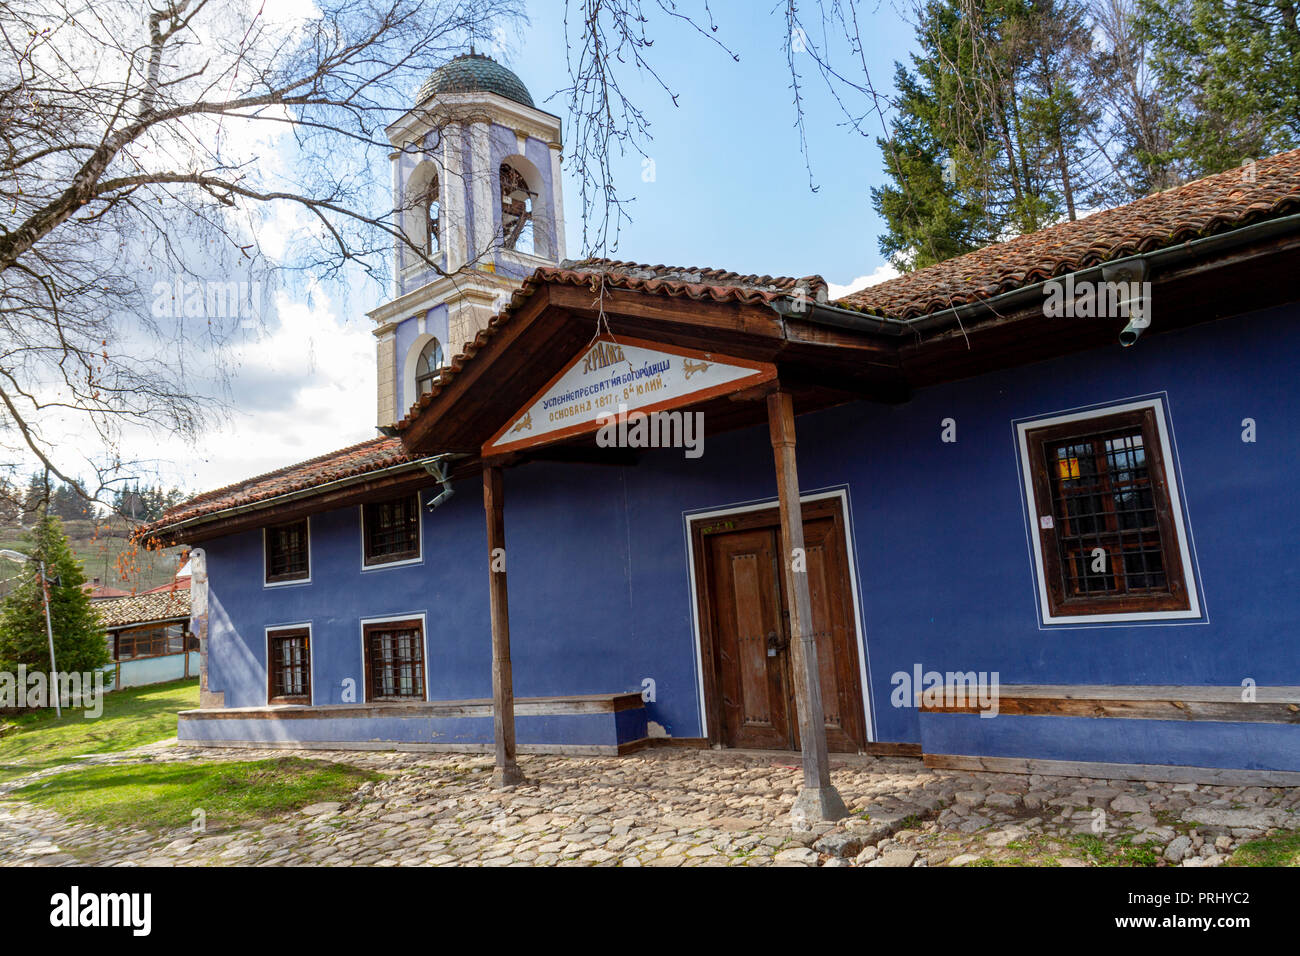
[706, 678]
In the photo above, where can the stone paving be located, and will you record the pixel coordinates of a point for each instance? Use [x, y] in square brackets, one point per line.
[680, 808]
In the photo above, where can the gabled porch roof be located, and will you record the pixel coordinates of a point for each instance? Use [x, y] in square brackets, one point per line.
[1223, 245]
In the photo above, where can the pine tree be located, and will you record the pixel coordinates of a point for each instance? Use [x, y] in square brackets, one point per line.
[986, 143]
[36, 496]
[79, 643]
[1229, 72]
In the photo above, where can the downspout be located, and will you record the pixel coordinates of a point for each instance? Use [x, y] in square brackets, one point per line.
[440, 469]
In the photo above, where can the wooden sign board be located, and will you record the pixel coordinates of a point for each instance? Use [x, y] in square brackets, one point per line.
[640, 376]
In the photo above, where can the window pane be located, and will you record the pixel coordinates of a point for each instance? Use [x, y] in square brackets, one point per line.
[290, 662]
[396, 657]
[1107, 528]
[427, 367]
[287, 551]
[392, 530]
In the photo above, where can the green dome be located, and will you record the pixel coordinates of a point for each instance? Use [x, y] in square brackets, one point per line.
[474, 73]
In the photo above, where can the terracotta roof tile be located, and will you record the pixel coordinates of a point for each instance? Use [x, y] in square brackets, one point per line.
[143, 608]
[1214, 204]
[718, 285]
[359, 459]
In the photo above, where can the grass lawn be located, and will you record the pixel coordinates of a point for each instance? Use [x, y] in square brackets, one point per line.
[131, 717]
[1280, 849]
[162, 796]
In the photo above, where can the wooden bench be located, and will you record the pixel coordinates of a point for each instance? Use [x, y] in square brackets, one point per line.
[1181, 703]
[576, 724]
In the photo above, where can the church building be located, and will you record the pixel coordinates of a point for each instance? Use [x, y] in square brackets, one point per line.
[1030, 509]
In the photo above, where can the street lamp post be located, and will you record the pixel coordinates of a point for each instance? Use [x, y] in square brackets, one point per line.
[49, 627]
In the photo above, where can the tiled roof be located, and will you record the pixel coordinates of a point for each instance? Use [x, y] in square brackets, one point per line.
[718, 285]
[143, 608]
[1207, 206]
[359, 459]
[1211, 205]
[471, 73]
[692, 281]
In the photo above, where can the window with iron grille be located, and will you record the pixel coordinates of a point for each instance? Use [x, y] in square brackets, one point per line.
[289, 666]
[395, 660]
[391, 530]
[1105, 520]
[288, 552]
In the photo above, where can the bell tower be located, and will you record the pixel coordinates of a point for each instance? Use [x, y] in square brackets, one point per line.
[477, 191]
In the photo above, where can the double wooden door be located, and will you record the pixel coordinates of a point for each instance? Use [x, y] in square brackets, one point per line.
[747, 630]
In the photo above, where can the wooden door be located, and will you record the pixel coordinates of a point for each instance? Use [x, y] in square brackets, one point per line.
[747, 632]
[837, 641]
[754, 680]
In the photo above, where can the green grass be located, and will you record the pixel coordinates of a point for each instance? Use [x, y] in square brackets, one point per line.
[132, 717]
[164, 796]
[1117, 852]
[1279, 849]
[1044, 850]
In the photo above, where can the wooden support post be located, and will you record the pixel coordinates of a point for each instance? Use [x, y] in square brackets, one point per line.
[818, 800]
[506, 773]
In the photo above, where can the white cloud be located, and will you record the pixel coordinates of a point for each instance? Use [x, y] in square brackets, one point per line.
[882, 274]
[302, 389]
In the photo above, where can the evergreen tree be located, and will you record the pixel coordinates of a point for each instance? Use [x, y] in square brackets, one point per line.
[1229, 72]
[36, 496]
[986, 143]
[11, 509]
[79, 643]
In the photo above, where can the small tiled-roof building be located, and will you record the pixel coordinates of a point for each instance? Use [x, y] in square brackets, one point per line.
[148, 635]
[1058, 470]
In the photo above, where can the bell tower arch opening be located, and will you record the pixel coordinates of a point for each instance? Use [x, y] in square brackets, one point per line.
[477, 207]
[422, 209]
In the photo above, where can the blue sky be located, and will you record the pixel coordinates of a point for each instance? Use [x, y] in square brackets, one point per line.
[731, 186]
[731, 190]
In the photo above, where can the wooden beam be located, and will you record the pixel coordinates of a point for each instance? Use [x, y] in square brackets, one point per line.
[1269, 705]
[818, 800]
[506, 772]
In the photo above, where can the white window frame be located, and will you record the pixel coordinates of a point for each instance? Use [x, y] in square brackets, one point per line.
[311, 559]
[405, 562]
[1173, 481]
[388, 619]
[311, 660]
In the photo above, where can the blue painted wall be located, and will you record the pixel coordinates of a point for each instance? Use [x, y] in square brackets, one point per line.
[599, 584]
